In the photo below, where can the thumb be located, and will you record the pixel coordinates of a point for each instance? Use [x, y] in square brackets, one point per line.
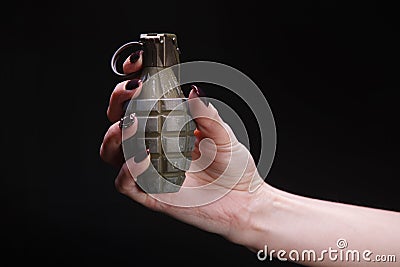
[209, 123]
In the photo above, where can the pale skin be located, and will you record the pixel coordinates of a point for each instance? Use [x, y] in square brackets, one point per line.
[255, 218]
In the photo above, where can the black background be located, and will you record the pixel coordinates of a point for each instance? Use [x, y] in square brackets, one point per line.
[329, 71]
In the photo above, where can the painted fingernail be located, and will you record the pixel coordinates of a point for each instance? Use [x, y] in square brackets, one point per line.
[132, 84]
[200, 94]
[141, 156]
[135, 56]
[127, 121]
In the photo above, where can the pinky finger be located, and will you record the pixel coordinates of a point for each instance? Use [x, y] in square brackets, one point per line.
[126, 179]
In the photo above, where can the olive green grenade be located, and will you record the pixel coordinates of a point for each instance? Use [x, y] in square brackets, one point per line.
[165, 127]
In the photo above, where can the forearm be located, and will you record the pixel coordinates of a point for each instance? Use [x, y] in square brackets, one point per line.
[287, 222]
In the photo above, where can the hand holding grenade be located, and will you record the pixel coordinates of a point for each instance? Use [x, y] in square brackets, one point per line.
[165, 127]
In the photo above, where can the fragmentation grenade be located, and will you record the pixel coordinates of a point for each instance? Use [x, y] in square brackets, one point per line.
[165, 127]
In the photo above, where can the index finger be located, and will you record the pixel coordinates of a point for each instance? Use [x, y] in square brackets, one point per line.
[133, 63]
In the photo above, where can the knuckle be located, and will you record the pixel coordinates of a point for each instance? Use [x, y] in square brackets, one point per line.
[109, 113]
[113, 135]
[119, 86]
[210, 123]
[102, 152]
[116, 93]
[118, 96]
[122, 183]
[119, 185]
[212, 120]
[114, 97]
[104, 155]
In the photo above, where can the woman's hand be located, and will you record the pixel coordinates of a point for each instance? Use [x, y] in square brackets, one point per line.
[234, 195]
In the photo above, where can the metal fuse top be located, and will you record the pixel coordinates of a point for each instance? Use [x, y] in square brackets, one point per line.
[160, 49]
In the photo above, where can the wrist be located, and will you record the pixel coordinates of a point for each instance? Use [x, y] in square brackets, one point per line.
[253, 225]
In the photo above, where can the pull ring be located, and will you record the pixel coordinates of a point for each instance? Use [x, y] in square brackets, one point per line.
[117, 54]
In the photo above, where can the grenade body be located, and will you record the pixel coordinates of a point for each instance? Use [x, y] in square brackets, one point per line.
[164, 123]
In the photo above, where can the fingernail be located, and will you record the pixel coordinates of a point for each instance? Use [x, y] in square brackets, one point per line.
[141, 155]
[132, 84]
[127, 121]
[135, 56]
[200, 94]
